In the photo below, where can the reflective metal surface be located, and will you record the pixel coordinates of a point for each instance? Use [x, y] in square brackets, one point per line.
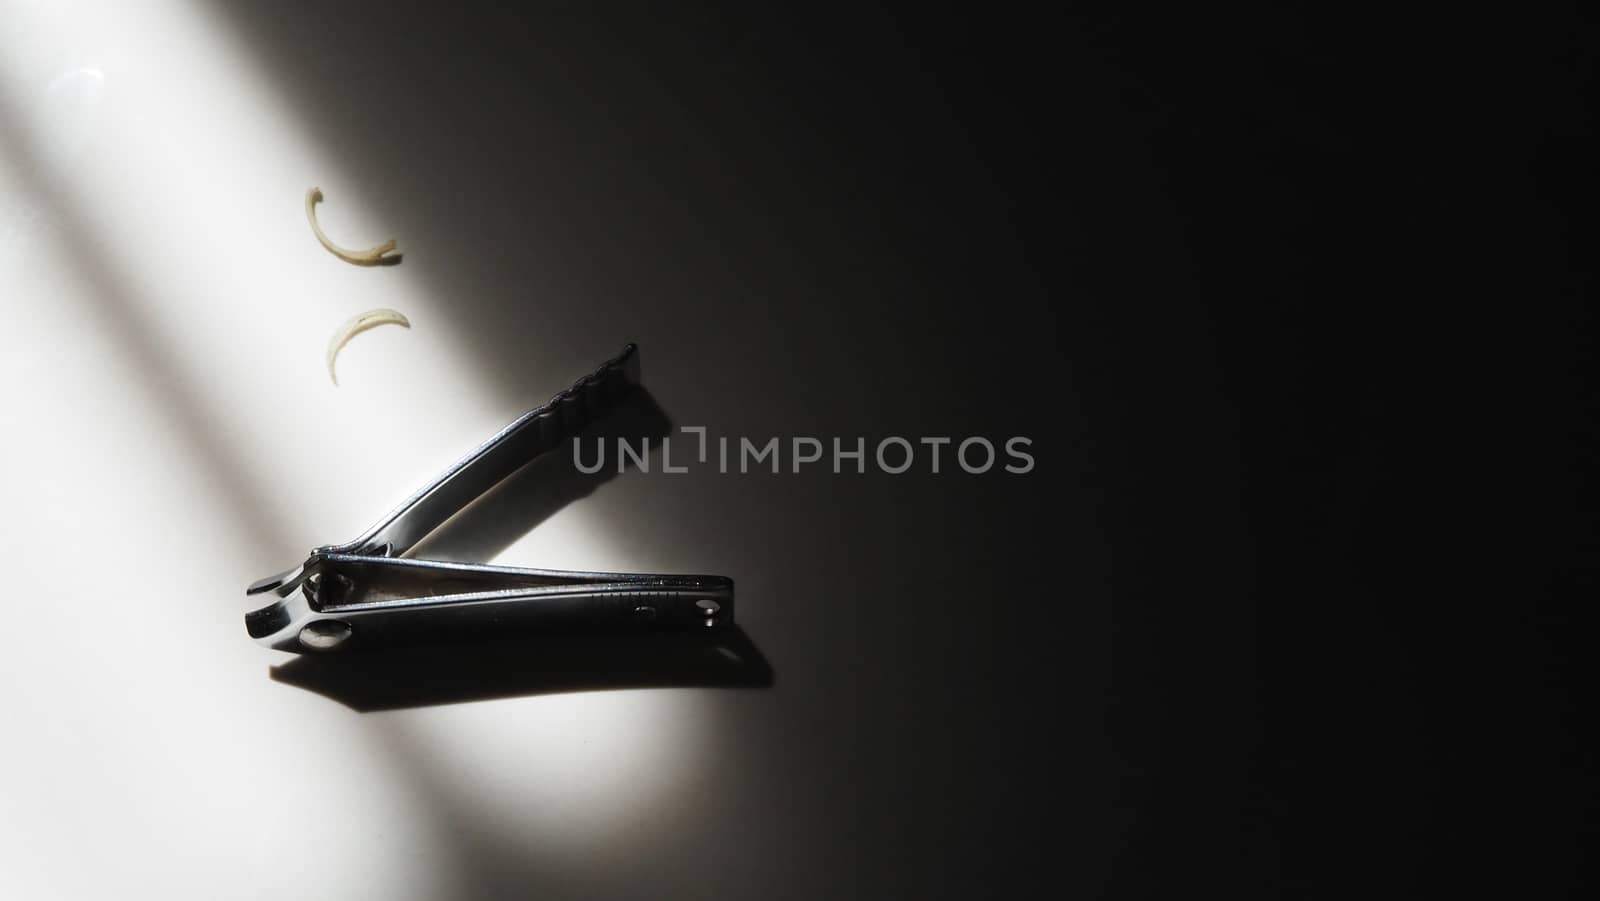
[363, 594]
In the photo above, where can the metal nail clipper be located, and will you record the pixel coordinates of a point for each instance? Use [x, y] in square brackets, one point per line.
[366, 592]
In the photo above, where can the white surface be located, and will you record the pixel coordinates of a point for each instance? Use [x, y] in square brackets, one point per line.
[170, 434]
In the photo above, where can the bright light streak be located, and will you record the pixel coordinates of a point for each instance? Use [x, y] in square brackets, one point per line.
[150, 751]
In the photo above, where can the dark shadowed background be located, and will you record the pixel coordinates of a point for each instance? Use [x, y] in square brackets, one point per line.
[1217, 268]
